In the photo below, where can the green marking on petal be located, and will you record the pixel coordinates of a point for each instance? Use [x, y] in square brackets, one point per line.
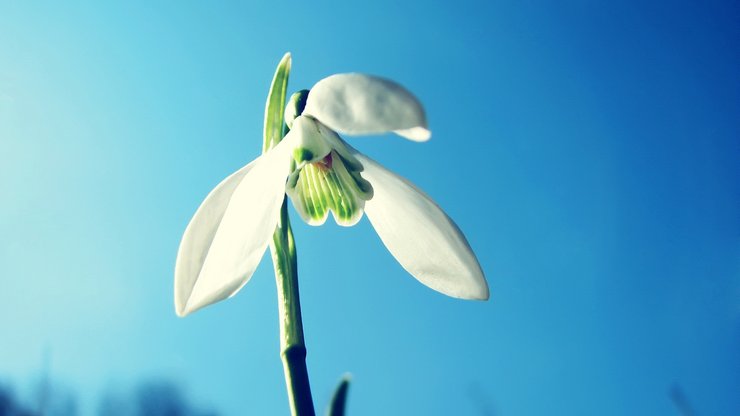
[302, 154]
[328, 185]
[310, 144]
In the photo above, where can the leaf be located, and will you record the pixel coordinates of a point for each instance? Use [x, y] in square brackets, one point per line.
[275, 106]
[339, 400]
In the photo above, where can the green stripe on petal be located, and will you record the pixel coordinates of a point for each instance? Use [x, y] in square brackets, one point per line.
[328, 185]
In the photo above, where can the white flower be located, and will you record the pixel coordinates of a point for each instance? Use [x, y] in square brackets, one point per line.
[229, 233]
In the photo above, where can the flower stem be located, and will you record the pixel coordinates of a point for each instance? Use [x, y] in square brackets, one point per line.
[292, 344]
[282, 248]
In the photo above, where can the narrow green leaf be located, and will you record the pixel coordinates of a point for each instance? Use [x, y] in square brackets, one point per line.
[275, 106]
[339, 400]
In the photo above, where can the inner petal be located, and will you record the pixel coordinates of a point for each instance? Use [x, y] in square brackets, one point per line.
[328, 185]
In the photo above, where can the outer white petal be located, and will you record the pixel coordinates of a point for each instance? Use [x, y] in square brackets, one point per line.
[227, 237]
[200, 233]
[364, 104]
[426, 242]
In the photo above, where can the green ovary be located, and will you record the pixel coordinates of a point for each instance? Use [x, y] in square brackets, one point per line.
[327, 185]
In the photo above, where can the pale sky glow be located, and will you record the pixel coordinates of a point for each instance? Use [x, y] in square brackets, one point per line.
[587, 151]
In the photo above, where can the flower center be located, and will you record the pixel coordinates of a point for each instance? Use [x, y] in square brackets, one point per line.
[333, 184]
[326, 176]
[329, 185]
[324, 163]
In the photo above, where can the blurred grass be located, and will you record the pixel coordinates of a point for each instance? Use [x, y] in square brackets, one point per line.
[148, 398]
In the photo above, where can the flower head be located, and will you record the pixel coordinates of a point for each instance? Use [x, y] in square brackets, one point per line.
[321, 173]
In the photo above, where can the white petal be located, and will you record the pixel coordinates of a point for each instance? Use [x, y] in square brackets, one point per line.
[363, 104]
[199, 235]
[227, 237]
[421, 236]
[417, 134]
[308, 136]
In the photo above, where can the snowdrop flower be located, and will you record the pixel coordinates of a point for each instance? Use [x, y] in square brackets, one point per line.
[321, 173]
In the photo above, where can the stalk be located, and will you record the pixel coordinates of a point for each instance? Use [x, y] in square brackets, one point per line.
[282, 248]
[292, 344]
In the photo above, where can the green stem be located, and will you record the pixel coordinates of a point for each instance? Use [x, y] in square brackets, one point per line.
[292, 344]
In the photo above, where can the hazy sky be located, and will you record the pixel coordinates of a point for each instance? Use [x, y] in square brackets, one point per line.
[588, 150]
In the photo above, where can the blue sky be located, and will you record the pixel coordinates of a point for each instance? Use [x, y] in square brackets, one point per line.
[588, 150]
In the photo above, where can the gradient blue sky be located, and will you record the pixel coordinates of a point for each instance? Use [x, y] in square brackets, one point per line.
[589, 151]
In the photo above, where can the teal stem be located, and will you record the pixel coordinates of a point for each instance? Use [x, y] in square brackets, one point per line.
[292, 344]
